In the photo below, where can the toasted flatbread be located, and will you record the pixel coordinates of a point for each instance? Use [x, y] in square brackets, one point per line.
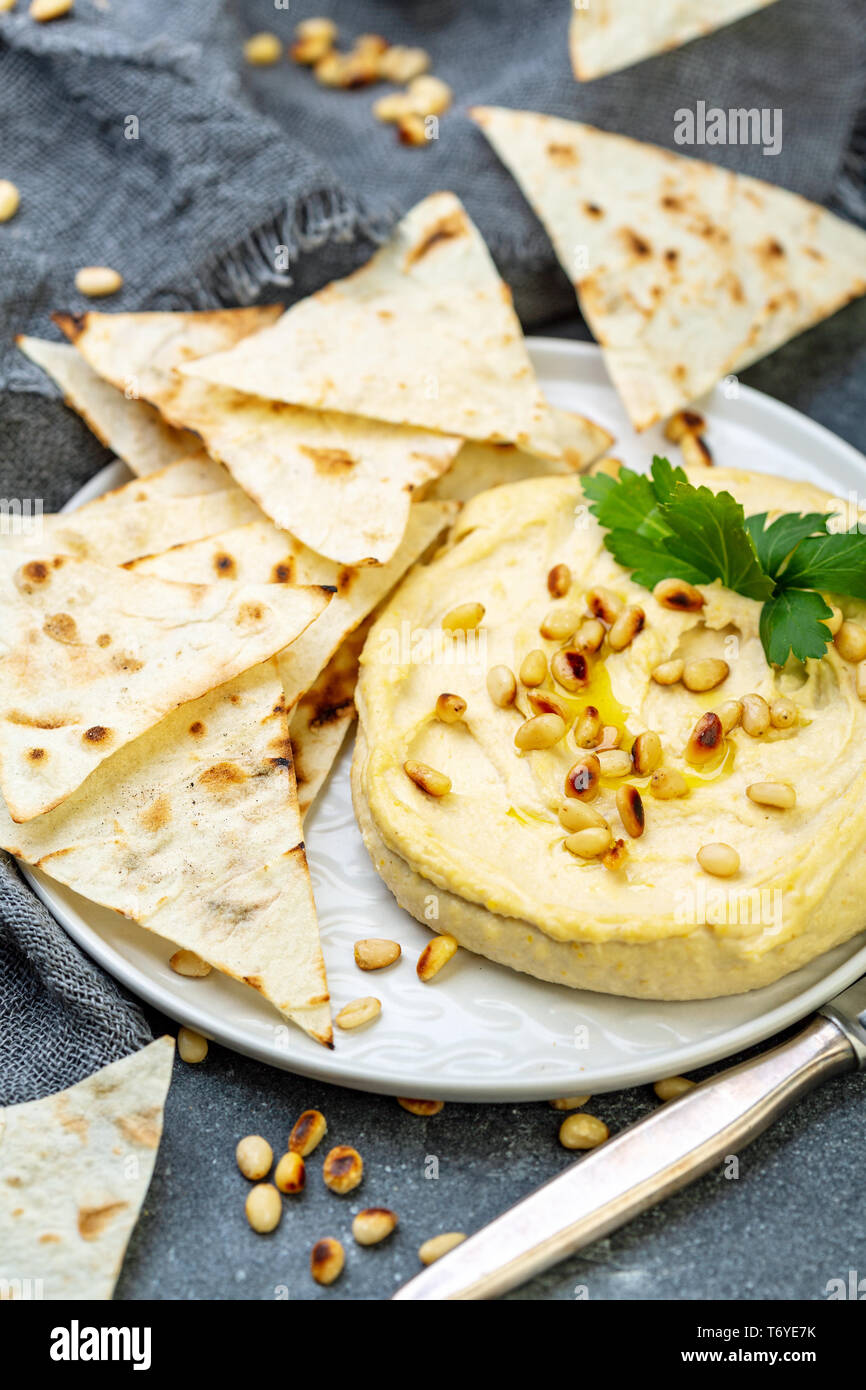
[685, 272]
[607, 35]
[74, 1172]
[91, 657]
[323, 716]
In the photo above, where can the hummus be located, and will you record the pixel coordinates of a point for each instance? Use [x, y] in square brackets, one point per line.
[487, 862]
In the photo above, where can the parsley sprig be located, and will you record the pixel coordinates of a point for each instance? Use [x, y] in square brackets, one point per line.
[662, 527]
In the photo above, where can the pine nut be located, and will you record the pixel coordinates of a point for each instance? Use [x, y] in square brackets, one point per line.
[310, 51]
[10, 200]
[851, 641]
[679, 596]
[559, 624]
[696, 451]
[327, 1260]
[614, 762]
[463, 618]
[590, 843]
[755, 718]
[96, 281]
[400, 64]
[308, 1131]
[616, 857]
[576, 815]
[373, 1225]
[570, 669]
[450, 708]
[705, 740]
[582, 779]
[433, 1249]
[43, 10]
[705, 674]
[684, 422]
[374, 953]
[541, 731]
[559, 581]
[423, 1108]
[582, 1132]
[343, 1169]
[610, 738]
[316, 28]
[547, 702]
[501, 686]
[411, 130]
[590, 635]
[429, 95]
[358, 1012]
[604, 605]
[392, 108]
[263, 1208]
[667, 784]
[646, 753]
[631, 811]
[626, 628]
[673, 1086]
[730, 713]
[835, 622]
[779, 794]
[427, 778]
[191, 1046]
[610, 466]
[783, 713]
[569, 1102]
[669, 672]
[262, 50]
[290, 1174]
[533, 668]
[254, 1157]
[861, 680]
[720, 860]
[587, 732]
[436, 953]
[189, 964]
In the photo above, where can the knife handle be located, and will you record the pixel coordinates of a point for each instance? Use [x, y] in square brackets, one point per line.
[637, 1168]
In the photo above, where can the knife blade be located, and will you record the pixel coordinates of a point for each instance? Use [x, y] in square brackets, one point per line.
[650, 1160]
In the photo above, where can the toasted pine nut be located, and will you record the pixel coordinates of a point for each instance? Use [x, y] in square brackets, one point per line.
[705, 739]
[427, 778]
[576, 815]
[429, 95]
[730, 713]
[343, 1169]
[590, 635]
[589, 843]
[779, 794]
[316, 28]
[611, 737]
[836, 621]
[374, 953]
[631, 811]
[582, 779]
[612, 467]
[705, 674]
[669, 672]
[720, 860]
[263, 1207]
[412, 130]
[191, 1046]
[559, 581]
[96, 281]
[614, 762]
[327, 1259]
[559, 624]
[189, 964]
[679, 596]
[851, 641]
[696, 451]
[616, 857]
[570, 669]
[400, 64]
[308, 1130]
[684, 422]
[373, 1225]
[783, 713]
[436, 953]
[548, 702]
[541, 731]
[392, 108]
[254, 1157]
[861, 680]
[604, 605]
[582, 1132]
[358, 1012]
[308, 52]
[755, 718]
[588, 729]
[290, 1174]
[533, 667]
[49, 9]
[646, 753]
[10, 200]
[424, 1108]
[450, 708]
[501, 686]
[626, 628]
[438, 1246]
[666, 784]
[673, 1086]
[569, 1102]
[463, 618]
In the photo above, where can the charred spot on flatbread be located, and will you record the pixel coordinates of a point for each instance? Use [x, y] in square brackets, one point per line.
[225, 565]
[61, 627]
[97, 734]
[446, 229]
[222, 775]
[329, 462]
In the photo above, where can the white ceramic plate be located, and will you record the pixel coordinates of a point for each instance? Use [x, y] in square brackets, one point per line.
[481, 1032]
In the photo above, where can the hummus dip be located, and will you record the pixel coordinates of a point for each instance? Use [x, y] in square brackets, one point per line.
[487, 861]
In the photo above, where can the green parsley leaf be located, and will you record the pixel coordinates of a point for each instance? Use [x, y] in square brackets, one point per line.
[776, 542]
[709, 533]
[649, 559]
[835, 563]
[795, 622]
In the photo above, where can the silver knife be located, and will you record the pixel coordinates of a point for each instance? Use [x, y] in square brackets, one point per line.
[650, 1160]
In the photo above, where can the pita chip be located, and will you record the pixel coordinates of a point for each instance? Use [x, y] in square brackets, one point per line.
[91, 657]
[695, 272]
[322, 718]
[193, 831]
[423, 335]
[74, 1172]
[610, 34]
